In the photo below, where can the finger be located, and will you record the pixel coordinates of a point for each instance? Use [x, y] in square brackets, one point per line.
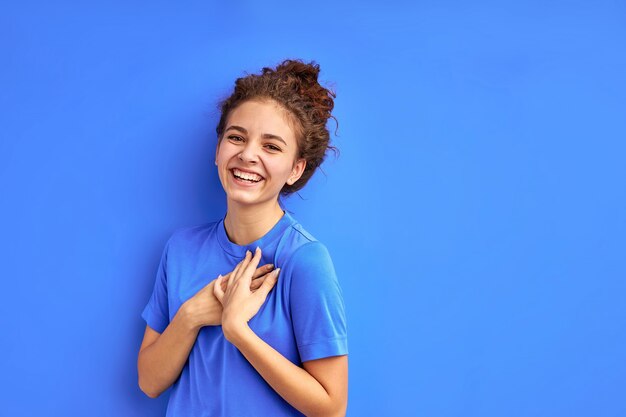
[234, 276]
[256, 283]
[249, 269]
[268, 284]
[217, 289]
[262, 270]
[241, 267]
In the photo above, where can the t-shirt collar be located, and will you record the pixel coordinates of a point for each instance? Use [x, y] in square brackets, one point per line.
[240, 251]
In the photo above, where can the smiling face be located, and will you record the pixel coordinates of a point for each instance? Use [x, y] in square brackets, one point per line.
[257, 153]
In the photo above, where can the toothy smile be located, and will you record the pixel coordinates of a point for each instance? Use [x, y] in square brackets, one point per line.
[246, 176]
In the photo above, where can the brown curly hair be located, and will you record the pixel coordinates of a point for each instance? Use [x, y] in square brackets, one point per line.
[293, 85]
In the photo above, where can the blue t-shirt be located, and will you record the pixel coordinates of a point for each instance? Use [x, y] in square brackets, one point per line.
[302, 318]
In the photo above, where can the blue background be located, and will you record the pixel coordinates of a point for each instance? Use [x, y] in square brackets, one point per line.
[476, 214]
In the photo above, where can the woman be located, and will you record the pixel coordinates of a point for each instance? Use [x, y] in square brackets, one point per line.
[267, 338]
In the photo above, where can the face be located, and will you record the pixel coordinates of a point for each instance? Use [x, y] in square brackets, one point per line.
[257, 154]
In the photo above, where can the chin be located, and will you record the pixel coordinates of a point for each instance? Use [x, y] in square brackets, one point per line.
[251, 199]
[245, 198]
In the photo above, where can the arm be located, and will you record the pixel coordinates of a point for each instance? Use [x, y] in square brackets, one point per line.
[162, 356]
[320, 389]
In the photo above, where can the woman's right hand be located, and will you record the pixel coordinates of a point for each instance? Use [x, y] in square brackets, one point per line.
[204, 309]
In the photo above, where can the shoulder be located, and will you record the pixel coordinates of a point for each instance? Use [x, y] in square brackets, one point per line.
[311, 280]
[300, 248]
[310, 253]
[307, 258]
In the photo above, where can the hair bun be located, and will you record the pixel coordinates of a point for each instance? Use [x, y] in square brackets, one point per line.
[302, 78]
[306, 72]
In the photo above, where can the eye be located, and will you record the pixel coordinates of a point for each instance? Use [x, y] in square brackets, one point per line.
[273, 147]
[235, 138]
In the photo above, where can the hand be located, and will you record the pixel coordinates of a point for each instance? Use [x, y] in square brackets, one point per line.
[239, 303]
[204, 309]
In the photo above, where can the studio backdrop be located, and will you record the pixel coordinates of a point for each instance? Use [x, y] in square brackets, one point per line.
[475, 213]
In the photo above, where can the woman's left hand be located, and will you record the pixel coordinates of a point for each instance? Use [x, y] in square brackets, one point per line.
[239, 303]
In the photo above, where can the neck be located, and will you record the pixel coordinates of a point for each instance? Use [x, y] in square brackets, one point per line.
[244, 224]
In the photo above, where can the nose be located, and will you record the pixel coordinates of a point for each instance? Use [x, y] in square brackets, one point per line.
[249, 154]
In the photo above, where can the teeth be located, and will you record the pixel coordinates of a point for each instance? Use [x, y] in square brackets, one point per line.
[247, 175]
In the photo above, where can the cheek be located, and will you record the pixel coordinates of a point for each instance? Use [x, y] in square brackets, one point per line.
[223, 154]
[280, 169]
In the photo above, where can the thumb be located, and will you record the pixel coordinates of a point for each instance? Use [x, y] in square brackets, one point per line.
[224, 281]
[217, 289]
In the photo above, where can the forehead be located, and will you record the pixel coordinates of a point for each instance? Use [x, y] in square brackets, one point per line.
[261, 117]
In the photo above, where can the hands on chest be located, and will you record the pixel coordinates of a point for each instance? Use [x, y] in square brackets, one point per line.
[236, 296]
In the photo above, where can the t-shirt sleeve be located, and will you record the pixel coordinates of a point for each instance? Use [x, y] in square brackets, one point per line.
[156, 312]
[316, 304]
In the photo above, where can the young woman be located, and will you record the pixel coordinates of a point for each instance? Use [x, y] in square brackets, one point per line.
[246, 317]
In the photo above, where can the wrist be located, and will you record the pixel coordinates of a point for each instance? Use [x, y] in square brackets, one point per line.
[234, 330]
[186, 316]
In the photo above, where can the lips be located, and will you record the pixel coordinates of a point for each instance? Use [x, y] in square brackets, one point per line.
[246, 176]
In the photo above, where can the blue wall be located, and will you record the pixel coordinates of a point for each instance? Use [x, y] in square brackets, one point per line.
[476, 215]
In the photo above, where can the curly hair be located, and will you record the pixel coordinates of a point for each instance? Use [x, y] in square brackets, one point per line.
[293, 85]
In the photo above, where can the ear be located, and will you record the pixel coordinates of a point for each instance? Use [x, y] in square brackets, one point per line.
[297, 171]
[217, 150]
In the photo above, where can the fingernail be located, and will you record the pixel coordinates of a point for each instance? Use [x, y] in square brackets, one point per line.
[276, 271]
[257, 249]
[269, 266]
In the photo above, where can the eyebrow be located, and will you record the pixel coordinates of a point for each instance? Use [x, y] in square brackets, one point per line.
[264, 135]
